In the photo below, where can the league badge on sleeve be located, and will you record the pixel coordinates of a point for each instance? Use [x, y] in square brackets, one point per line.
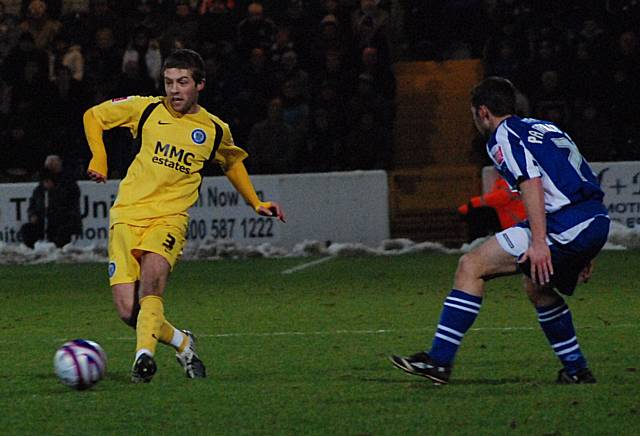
[498, 156]
[112, 269]
[198, 136]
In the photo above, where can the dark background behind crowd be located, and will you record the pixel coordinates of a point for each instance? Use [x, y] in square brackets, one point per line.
[306, 85]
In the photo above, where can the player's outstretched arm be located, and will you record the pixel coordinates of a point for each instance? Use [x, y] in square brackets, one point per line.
[97, 170]
[239, 178]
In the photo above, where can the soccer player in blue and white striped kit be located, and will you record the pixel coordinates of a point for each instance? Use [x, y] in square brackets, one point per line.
[567, 226]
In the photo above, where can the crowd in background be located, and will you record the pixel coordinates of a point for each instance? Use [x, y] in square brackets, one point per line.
[577, 64]
[308, 85]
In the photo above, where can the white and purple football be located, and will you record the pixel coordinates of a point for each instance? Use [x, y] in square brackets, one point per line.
[80, 363]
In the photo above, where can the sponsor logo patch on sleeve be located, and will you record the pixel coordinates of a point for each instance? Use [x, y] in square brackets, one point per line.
[498, 156]
[120, 99]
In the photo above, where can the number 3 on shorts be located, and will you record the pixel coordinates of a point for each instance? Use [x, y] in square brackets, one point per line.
[169, 242]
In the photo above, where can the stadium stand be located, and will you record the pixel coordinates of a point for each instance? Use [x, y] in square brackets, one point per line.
[359, 84]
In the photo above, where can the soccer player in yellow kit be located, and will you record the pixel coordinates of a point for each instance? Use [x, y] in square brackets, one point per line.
[149, 218]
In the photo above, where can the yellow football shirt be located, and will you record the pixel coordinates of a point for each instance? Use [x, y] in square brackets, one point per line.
[164, 177]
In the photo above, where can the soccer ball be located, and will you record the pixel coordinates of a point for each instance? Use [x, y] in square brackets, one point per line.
[80, 363]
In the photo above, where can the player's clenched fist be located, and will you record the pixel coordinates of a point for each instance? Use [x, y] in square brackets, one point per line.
[270, 208]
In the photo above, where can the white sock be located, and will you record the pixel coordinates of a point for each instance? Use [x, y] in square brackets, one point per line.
[177, 339]
[142, 351]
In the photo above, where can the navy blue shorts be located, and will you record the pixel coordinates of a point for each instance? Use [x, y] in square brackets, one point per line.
[568, 259]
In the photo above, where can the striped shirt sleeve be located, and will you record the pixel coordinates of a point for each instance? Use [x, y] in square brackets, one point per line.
[518, 159]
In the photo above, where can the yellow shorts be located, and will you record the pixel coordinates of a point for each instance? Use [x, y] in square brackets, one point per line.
[165, 236]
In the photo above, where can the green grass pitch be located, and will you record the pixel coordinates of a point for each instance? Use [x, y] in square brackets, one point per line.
[306, 353]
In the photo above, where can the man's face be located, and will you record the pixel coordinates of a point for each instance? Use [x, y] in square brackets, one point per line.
[182, 10]
[217, 6]
[480, 120]
[255, 11]
[104, 39]
[182, 91]
[368, 5]
[37, 9]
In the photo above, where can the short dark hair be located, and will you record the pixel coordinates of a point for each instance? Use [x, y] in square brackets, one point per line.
[186, 59]
[497, 94]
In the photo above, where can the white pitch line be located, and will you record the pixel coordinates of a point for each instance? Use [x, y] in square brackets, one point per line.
[364, 332]
[307, 265]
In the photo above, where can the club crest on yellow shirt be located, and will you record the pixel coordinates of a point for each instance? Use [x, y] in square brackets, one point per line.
[198, 136]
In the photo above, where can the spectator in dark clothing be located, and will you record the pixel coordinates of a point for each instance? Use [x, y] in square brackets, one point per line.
[272, 143]
[256, 30]
[596, 38]
[366, 146]
[54, 7]
[134, 81]
[31, 100]
[369, 25]
[368, 101]
[9, 32]
[183, 24]
[591, 128]
[327, 97]
[584, 77]
[368, 22]
[384, 81]
[545, 57]
[101, 16]
[217, 23]
[67, 132]
[334, 70]
[329, 35]
[623, 94]
[54, 207]
[339, 10]
[104, 62]
[38, 23]
[22, 148]
[149, 14]
[506, 51]
[145, 52]
[550, 101]
[257, 77]
[222, 89]
[26, 51]
[288, 70]
[324, 144]
[66, 53]
[297, 20]
[256, 87]
[295, 109]
[627, 52]
[505, 62]
[282, 44]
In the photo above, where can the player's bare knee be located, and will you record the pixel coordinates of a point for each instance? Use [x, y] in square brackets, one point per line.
[131, 320]
[127, 313]
[152, 282]
[540, 296]
[150, 287]
[469, 266]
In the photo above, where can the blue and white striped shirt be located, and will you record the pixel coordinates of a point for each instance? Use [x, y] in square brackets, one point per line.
[523, 149]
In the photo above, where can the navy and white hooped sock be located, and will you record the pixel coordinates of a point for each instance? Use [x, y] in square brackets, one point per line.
[458, 314]
[557, 324]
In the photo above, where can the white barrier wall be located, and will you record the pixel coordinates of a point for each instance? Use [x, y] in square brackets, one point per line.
[338, 207]
[620, 182]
